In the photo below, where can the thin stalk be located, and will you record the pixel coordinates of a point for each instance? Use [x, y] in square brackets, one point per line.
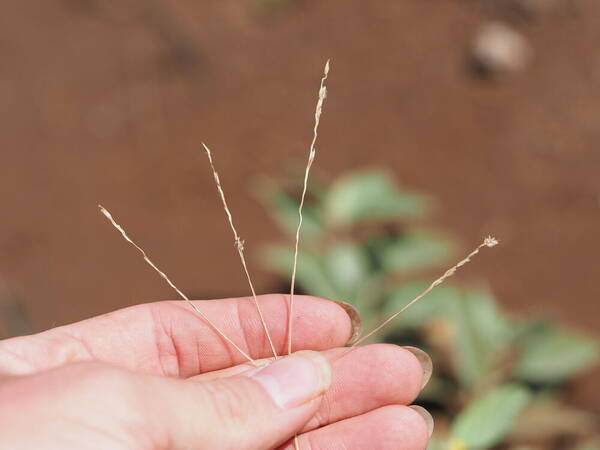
[487, 242]
[239, 244]
[119, 228]
[311, 157]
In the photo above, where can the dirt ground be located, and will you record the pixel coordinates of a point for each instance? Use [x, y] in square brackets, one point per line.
[110, 104]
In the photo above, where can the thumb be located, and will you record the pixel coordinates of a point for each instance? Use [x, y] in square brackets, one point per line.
[259, 409]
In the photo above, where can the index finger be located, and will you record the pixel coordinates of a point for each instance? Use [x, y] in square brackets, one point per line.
[169, 338]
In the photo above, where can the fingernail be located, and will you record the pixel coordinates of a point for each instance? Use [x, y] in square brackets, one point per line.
[425, 361]
[296, 379]
[426, 417]
[355, 321]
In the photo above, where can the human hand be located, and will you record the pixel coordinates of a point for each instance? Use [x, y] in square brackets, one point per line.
[156, 376]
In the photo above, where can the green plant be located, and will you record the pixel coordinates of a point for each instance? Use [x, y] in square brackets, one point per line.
[364, 242]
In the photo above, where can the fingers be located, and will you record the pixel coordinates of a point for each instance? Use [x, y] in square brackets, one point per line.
[169, 338]
[76, 404]
[363, 379]
[260, 409]
[387, 428]
[366, 378]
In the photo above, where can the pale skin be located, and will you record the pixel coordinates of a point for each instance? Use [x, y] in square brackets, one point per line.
[156, 376]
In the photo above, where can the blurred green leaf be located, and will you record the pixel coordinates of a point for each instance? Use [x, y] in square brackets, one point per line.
[369, 195]
[311, 273]
[472, 340]
[284, 209]
[493, 326]
[487, 420]
[438, 302]
[551, 354]
[413, 251]
[482, 332]
[348, 267]
[437, 444]
[471, 360]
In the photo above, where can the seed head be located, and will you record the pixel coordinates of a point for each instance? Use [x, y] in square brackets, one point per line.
[490, 241]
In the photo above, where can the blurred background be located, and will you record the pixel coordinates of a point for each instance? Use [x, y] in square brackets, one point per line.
[487, 109]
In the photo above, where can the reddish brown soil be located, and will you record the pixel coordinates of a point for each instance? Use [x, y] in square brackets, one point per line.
[110, 103]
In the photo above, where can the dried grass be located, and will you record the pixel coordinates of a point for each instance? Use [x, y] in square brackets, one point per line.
[119, 228]
[311, 158]
[239, 244]
[488, 242]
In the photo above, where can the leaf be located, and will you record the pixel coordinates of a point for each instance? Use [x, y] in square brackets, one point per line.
[493, 328]
[369, 195]
[479, 329]
[284, 209]
[438, 302]
[437, 444]
[487, 420]
[551, 355]
[348, 267]
[311, 274]
[413, 251]
[482, 332]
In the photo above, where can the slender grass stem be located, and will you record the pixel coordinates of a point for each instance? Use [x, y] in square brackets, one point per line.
[239, 244]
[487, 242]
[119, 228]
[311, 158]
